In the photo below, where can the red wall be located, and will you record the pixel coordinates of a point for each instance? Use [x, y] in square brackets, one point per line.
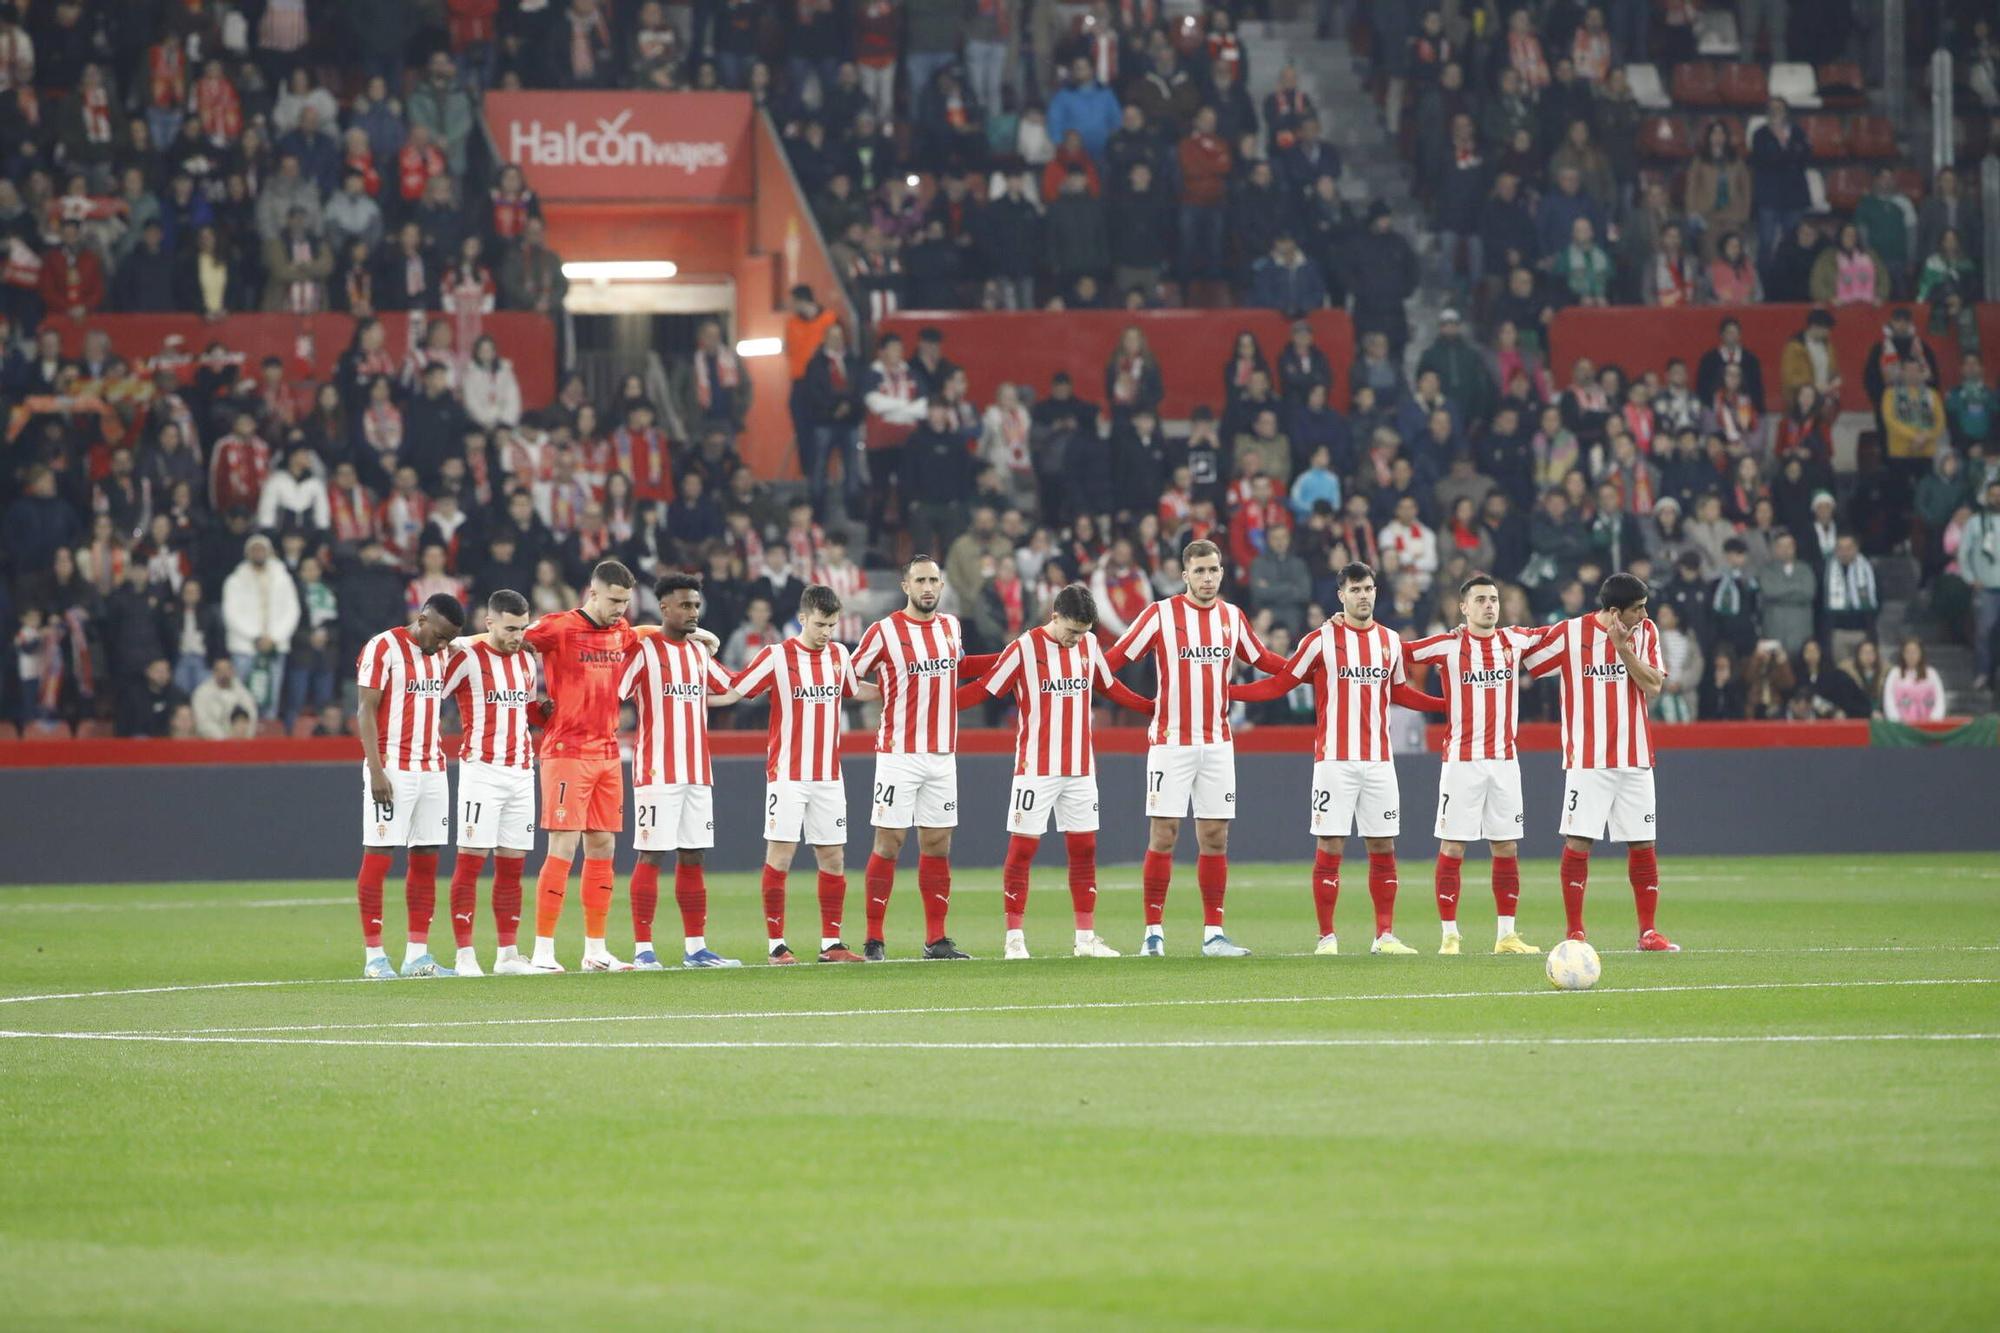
[1640, 340]
[528, 340]
[1029, 347]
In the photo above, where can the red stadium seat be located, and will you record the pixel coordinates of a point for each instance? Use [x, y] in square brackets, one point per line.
[1840, 84]
[9, 732]
[303, 727]
[1827, 137]
[1912, 183]
[1695, 83]
[1745, 86]
[1846, 187]
[46, 731]
[1872, 137]
[1665, 139]
[271, 728]
[91, 729]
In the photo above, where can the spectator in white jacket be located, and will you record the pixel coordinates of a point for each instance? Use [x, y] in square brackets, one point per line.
[295, 500]
[1415, 546]
[260, 609]
[218, 699]
[492, 394]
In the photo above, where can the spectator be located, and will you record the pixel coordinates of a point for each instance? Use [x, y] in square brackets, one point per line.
[72, 280]
[1004, 447]
[937, 480]
[1583, 267]
[1851, 601]
[970, 552]
[1849, 273]
[260, 613]
[1729, 351]
[1913, 415]
[1972, 406]
[1279, 580]
[1722, 696]
[1718, 189]
[1205, 165]
[441, 105]
[1382, 277]
[1411, 543]
[297, 265]
[1142, 218]
[146, 703]
[1132, 376]
[1736, 602]
[1979, 566]
[1085, 106]
[1790, 591]
[1866, 671]
[1557, 214]
[1462, 373]
[834, 410]
[1948, 208]
[531, 274]
[1287, 279]
[1078, 239]
[295, 499]
[1888, 223]
[1913, 691]
[711, 386]
[1673, 278]
[1779, 156]
[1946, 269]
[1680, 656]
[220, 698]
[1007, 233]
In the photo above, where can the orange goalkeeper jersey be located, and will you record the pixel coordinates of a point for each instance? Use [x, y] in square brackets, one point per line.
[581, 665]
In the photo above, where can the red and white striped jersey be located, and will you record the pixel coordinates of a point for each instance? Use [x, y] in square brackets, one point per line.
[670, 682]
[806, 688]
[1481, 682]
[916, 662]
[493, 690]
[1193, 647]
[1604, 720]
[412, 685]
[1357, 668]
[1052, 685]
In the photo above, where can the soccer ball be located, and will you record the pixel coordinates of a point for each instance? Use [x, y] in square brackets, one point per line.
[1573, 965]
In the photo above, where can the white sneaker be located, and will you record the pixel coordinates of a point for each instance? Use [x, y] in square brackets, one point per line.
[548, 965]
[517, 966]
[1154, 945]
[467, 964]
[1016, 946]
[1329, 946]
[605, 962]
[1093, 947]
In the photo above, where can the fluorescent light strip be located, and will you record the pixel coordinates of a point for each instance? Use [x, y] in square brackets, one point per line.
[760, 346]
[620, 270]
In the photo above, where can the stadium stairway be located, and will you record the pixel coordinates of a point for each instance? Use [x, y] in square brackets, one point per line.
[1336, 79]
[1904, 613]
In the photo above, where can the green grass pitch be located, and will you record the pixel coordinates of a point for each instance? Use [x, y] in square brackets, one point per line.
[1794, 1124]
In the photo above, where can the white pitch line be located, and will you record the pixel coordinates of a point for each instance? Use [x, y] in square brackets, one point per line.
[1781, 1038]
[172, 990]
[178, 905]
[927, 1011]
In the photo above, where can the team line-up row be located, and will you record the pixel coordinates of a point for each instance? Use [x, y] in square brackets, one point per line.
[565, 677]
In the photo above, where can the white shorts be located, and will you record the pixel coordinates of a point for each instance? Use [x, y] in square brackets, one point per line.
[419, 815]
[1072, 801]
[814, 813]
[1354, 795]
[1613, 801]
[496, 807]
[672, 816]
[920, 789]
[1199, 776]
[1479, 799]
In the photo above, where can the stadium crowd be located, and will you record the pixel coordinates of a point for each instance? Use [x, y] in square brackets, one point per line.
[203, 550]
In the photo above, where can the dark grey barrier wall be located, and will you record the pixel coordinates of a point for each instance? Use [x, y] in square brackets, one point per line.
[299, 821]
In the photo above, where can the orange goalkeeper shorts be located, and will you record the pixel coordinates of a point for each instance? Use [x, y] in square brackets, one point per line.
[583, 795]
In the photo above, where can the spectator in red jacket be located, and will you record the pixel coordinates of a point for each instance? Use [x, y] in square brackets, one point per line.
[1205, 164]
[72, 275]
[1252, 522]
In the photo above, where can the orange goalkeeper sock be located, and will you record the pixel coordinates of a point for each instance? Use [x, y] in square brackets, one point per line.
[596, 896]
[550, 886]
